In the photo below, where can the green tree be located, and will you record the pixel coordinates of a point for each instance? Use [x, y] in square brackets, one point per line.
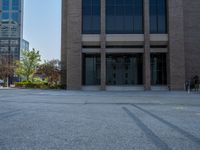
[26, 67]
[6, 68]
[50, 70]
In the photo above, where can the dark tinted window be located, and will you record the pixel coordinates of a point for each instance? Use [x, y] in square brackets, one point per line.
[5, 4]
[5, 16]
[158, 69]
[91, 69]
[15, 4]
[91, 16]
[124, 16]
[124, 69]
[158, 16]
[15, 17]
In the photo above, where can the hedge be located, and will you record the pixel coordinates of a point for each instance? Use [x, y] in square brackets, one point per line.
[27, 84]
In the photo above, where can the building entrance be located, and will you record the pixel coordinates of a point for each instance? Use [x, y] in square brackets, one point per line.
[124, 69]
[158, 69]
[91, 69]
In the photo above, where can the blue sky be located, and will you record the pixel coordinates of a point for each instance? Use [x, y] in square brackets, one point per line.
[42, 26]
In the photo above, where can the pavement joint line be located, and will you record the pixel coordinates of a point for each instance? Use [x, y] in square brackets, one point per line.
[99, 103]
[96, 103]
[148, 132]
[6, 115]
[13, 111]
[81, 103]
[183, 132]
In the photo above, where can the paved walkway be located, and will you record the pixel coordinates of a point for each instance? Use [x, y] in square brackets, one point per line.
[71, 120]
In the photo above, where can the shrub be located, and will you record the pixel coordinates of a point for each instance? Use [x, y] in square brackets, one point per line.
[22, 84]
[56, 86]
[35, 85]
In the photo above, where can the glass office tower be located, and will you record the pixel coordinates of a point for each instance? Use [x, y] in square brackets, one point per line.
[11, 28]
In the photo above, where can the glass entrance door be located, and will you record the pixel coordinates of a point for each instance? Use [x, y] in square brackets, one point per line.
[91, 69]
[124, 69]
[158, 69]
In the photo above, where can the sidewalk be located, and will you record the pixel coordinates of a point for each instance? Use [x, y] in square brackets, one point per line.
[6, 88]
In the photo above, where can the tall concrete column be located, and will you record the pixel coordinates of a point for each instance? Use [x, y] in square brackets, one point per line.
[103, 45]
[71, 43]
[176, 45]
[146, 57]
[64, 46]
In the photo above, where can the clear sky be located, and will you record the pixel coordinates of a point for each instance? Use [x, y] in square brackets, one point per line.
[42, 26]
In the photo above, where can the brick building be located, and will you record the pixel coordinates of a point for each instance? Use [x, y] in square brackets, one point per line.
[130, 44]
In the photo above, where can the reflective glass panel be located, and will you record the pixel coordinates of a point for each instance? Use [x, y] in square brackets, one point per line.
[91, 16]
[124, 69]
[124, 16]
[158, 16]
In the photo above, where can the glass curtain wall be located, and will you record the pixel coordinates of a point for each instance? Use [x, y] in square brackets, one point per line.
[124, 69]
[10, 28]
[124, 16]
[91, 69]
[158, 16]
[158, 69]
[91, 16]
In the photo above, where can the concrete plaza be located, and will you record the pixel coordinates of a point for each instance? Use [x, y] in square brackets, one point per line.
[86, 120]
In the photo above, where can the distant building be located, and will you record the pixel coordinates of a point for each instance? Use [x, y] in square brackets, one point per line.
[130, 43]
[11, 31]
[25, 45]
[11, 28]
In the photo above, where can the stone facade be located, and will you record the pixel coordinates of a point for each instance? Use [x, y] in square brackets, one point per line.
[71, 44]
[183, 47]
[146, 60]
[192, 37]
[176, 45]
